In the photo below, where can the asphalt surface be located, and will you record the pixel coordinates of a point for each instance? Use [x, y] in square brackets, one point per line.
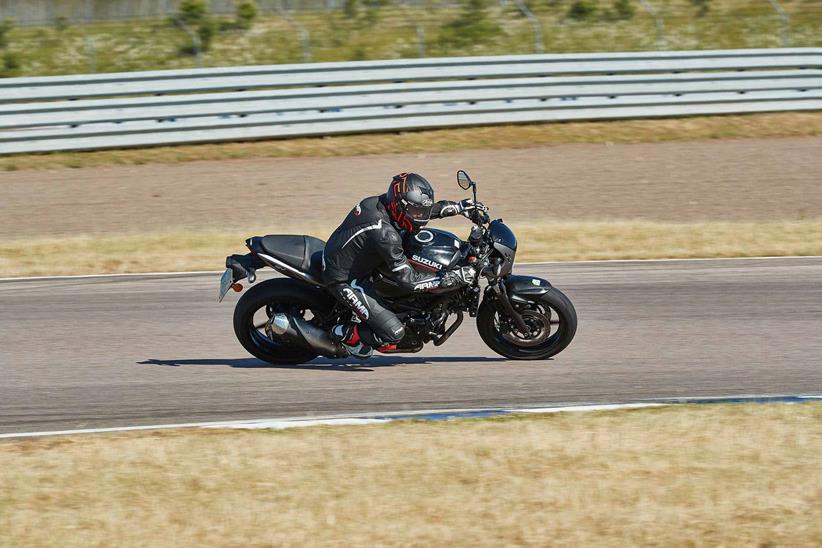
[116, 351]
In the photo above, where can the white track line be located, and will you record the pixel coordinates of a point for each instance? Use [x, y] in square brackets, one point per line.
[300, 422]
[378, 418]
[538, 263]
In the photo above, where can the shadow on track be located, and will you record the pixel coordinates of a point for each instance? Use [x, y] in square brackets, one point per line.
[322, 364]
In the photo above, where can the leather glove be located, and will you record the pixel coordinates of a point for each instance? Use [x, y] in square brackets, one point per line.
[460, 208]
[462, 276]
[468, 204]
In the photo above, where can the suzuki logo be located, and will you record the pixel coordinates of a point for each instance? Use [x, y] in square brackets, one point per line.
[426, 262]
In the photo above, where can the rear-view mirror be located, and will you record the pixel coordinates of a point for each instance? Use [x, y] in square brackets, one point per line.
[463, 180]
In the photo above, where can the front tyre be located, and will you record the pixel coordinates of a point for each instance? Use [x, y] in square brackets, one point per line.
[552, 322]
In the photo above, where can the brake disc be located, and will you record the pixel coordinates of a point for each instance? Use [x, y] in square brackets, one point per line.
[539, 325]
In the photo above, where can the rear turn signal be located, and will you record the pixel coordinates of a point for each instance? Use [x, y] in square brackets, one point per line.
[237, 287]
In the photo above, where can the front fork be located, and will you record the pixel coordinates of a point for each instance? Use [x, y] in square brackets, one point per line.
[504, 305]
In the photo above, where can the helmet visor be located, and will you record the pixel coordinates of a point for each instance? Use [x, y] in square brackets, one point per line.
[418, 213]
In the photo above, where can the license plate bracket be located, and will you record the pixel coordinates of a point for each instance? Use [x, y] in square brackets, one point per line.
[226, 281]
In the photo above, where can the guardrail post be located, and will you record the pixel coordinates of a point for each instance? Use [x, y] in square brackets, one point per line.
[420, 40]
[661, 43]
[535, 25]
[784, 23]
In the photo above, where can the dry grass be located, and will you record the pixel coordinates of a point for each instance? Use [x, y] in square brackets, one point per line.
[685, 476]
[792, 124]
[188, 251]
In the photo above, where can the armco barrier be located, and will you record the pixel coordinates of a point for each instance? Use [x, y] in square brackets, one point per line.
[82, 112]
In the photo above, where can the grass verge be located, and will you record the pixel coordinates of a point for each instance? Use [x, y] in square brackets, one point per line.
[728, 475]
[789, 124]
[389, 30]
[182, 251]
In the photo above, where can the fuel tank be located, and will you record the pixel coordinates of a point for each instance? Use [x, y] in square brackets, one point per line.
[429, 251]
[432, 250]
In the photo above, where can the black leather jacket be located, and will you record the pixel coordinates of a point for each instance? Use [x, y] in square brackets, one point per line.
[366, 241]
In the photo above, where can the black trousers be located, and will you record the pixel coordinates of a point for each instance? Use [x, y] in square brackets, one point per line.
[379, 325]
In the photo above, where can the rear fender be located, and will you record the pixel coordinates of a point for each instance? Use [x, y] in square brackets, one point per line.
[244, 266]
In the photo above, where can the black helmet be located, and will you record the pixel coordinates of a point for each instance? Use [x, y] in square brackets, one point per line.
[409, 201]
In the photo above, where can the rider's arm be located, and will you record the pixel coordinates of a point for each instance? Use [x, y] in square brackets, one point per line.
[389, 246]
[447, 208]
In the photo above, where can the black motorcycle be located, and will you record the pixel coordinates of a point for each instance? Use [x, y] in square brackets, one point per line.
[289, 320]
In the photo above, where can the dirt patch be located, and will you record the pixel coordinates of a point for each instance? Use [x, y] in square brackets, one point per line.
[746, 126]
[685, 476]
[728, 180]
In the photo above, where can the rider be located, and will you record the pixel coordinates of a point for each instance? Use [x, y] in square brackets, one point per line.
[369, 240]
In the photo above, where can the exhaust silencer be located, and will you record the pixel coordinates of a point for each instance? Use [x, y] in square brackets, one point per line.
[304, 333]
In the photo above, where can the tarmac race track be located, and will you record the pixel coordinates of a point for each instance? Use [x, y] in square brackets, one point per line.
[135, 350]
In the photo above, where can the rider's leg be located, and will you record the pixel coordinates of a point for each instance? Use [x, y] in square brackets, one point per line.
[378, 325]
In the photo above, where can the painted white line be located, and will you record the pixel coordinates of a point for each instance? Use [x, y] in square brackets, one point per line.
[283, 424]
[597, 261]
[380, 418]
[118, 275]
[584, 408]
[242, 423]
[537, 263]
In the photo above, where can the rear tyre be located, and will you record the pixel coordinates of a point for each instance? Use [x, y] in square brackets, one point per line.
[260, 302]
[551, 317]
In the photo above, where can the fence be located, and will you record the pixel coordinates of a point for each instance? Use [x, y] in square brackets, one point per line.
[254, 102]
[544, 17]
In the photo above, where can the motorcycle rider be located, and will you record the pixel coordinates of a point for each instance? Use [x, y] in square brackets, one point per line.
[369, 240]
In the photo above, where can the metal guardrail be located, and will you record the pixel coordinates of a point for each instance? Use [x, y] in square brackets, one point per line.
[84, 112]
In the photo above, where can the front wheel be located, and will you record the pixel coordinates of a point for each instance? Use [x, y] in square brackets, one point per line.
[552, 323]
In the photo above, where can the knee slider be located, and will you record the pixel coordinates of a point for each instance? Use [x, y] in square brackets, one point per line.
[395, 332]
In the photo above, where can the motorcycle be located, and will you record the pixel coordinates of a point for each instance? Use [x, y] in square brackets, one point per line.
[289, 320]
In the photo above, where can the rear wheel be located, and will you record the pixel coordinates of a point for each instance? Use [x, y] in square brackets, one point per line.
[552, 323]
[255, 308]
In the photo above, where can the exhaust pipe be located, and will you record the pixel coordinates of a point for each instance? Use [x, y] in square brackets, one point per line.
[307, 334]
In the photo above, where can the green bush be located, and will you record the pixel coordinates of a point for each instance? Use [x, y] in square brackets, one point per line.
[192, 12]
[351, 9]
[5, 27]
[10, 64]
[623, 9]
[192, 16]
[245, 14]
[703, 7]
[61, 23]
[472, 26]
[582, 10]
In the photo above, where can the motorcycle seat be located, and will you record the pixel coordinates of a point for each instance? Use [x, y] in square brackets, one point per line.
[303, 253]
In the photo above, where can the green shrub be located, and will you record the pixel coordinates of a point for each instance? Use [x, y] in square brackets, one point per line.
[61, 23]
[5, 28]
[192, 16]
[245, 14]
[582, 10]
[623, 9]
[471, 26]
[351, 9]
[192, 12]
[703, 7]
[10, 64]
